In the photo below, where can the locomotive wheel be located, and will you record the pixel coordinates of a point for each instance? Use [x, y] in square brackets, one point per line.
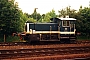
[72, 41]
[65, 40]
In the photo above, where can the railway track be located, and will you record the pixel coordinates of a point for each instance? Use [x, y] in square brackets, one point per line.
[13, 43]
[38, 43]
[22, 53]
[23, 50]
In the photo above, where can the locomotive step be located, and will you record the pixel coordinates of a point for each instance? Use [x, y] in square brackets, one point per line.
[49, 40]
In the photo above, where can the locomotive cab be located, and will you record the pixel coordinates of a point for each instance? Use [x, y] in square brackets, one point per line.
[67, 29]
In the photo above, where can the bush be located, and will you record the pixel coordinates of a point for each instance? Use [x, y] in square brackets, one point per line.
[12, 39]
[83, 37]
[1, 38]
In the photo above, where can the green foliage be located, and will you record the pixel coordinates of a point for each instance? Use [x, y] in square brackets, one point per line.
[23, 19]
[83, 21]
[13, 39]
[35, 15]
[12, 19]
[1, 38]
[67, 11]
[9, 17]
[47, 16]
[32, 20]
[9, 38]
[83, 37]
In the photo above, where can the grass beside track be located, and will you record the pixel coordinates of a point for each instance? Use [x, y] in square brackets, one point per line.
[83, 37]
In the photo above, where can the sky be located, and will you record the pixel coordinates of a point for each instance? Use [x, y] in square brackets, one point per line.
[45, 6]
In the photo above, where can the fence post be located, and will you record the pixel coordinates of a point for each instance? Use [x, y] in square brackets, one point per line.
[4, 38]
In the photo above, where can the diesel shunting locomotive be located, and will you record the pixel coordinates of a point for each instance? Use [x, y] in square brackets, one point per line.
[60, 29]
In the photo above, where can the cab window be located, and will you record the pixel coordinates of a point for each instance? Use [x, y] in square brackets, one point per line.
[65, 23]
[72, 24]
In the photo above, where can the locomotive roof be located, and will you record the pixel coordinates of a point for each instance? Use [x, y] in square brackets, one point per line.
[63, 19]
[67, 19]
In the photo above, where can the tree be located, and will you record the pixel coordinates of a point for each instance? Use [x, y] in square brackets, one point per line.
[23, 19]
[35, 15]
[9, 17]
[67, 11]
[83, 22]
[47, 16]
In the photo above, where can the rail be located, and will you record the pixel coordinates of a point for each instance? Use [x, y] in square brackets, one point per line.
[20, 53]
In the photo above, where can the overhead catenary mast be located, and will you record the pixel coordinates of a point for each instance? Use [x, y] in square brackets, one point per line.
[89, 4]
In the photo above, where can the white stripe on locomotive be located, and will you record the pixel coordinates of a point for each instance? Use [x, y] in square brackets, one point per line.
[45, 32]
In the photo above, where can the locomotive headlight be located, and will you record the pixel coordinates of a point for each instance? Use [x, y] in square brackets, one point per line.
[65, 29]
